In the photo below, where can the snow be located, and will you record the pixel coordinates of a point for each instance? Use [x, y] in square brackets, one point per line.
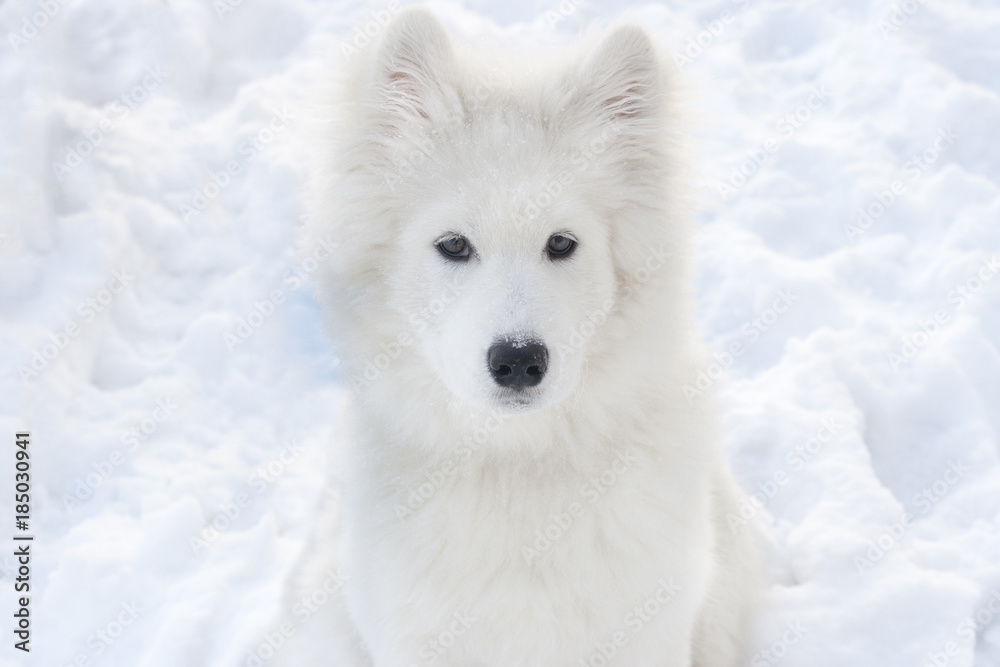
[861, 379]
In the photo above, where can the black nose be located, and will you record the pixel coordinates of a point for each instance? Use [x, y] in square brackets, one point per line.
[518, 364]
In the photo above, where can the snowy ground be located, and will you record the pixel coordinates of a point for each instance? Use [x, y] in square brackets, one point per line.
[171, 367]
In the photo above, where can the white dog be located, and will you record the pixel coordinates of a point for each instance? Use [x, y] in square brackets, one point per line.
[525, 481]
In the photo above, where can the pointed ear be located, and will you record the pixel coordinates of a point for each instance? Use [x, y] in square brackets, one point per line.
[621, 81]
[413, 64]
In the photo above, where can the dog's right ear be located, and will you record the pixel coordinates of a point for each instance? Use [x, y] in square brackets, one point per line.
[619, 86]
[412, 68]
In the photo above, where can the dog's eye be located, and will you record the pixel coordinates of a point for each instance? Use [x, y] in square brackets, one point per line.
[560, 246]
[454, 247]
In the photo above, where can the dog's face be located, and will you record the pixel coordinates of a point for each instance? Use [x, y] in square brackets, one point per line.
[502, 258]
[496, 298]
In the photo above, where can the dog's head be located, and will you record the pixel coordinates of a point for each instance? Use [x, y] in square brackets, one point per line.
[502, 214]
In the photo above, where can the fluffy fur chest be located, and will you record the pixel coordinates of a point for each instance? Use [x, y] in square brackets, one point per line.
[556, 552]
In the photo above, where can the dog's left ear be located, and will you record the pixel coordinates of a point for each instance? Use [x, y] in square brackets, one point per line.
[621, 82]
[412, 68]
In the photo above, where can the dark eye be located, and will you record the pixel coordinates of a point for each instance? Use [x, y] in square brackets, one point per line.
[454, 247]
[560, 247]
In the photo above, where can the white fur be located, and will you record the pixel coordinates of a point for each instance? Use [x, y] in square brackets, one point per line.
[428, 141]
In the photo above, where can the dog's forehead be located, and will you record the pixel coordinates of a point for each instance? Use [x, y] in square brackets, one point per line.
[512, 210]
[499, 213]
[502, 131]
[511, 176]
